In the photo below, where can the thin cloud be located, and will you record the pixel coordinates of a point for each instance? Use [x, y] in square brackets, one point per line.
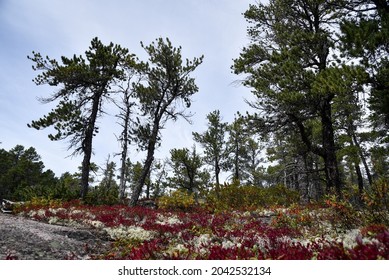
[216, 29]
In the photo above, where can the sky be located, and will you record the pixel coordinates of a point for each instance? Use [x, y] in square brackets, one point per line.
[213, 28]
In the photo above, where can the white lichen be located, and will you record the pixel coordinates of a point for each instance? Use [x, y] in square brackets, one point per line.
[227, 244]
[202, 240]
[170, 220]
[53, 220]
[95, 224]
[131, 232]
[55, 211]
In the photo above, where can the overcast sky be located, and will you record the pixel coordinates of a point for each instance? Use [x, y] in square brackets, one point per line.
[213, 28]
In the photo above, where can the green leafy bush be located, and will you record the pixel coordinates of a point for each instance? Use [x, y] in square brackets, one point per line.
[177, 200]
[281, 196]
[237, 197]
[354, 210]
[297, 217]
[341, 213]
[103, 196]
[49, 192]
[376, 203]
[37, 203]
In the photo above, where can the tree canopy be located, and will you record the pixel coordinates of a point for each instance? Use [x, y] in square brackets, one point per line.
[318, 71]
[164, 96]
[83, 84]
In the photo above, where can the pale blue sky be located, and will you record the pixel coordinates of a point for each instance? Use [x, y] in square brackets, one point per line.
[213, 28]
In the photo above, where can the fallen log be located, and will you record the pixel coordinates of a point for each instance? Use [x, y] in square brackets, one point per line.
[7, 206]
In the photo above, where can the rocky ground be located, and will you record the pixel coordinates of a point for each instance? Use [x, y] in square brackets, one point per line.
[24, 239]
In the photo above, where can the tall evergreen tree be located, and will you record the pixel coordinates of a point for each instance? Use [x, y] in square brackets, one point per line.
[186, 167]
[365, 38]
[293, 74]
[108, 181]
[254, 173]
[213, 141]
[236, 148]
[365, 35]
[83, 87]
[164, 96]
[126, 104]
[22, 168]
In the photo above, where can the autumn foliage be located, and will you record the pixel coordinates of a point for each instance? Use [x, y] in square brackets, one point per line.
[189, 230]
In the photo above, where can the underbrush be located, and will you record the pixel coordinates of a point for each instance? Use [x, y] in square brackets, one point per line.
[242, 197]
[237, 222]
[294, 232]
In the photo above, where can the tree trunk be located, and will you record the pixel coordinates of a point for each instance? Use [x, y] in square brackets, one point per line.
[191, 174]
[330, 161]
[355, 160]
[236, 161]
[87, 146]
[148, 185]
[85, 172]
[147, 165]
[217, 171]
[145, 171]
[122, 183]
[360, 179]
[363, 159]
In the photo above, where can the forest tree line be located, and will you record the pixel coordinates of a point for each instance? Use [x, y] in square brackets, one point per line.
[318, 70]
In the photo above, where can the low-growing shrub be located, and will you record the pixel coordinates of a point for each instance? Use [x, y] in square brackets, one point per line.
[43, 202]
[177, 200]
[143, 233]
[237, 197]
[376, 203]
[373, 230]
[289, 219]
[233, 196]
[341, 213]
[281, 196]
[103, 196]
[37, 203]
[59, 191]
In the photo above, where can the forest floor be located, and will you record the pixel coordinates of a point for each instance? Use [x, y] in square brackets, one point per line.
[72, 230]
[25, 239]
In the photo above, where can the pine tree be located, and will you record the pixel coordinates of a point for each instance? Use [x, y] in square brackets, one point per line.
[213, 141]
[83, 87]
[293, 74]
[186, 167]
[164, 95]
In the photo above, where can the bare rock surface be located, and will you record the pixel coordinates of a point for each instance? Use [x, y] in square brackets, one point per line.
[25, 239]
